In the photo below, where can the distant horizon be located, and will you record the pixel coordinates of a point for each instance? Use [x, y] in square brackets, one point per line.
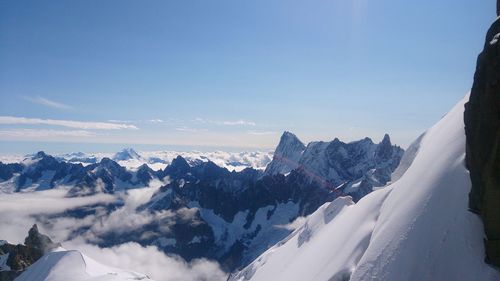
[26, 147]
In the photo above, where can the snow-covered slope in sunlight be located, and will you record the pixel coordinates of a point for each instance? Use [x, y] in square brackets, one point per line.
[418, 228]
[73, 265]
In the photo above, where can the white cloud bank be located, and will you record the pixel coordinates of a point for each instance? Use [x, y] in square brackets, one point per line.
[20, 210]
[149, 260]
[10, 120]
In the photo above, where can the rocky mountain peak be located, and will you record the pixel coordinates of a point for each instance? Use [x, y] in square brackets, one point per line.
[178, 168]
[144, 167]
[180, 162]
[107, 162]
[386, 140]
[126, 154]
[39, 154]
[384, 149]
[286, 155]
[289, 140]
[39, 241]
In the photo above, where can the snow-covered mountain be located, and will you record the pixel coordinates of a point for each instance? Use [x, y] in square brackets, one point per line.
[127, 154]
[418, 228]
[355, 167]
[214, 212]
[41, 172]
[244, 212]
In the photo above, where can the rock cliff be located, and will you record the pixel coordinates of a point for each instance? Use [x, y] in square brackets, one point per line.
[482, 128]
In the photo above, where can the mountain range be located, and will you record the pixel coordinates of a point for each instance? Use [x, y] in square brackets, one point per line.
[215, 213]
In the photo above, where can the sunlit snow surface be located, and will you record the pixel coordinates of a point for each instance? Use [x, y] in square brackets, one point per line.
[418, 228]
[65, 265]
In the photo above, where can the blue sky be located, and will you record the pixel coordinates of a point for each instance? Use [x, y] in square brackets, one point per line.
[230, 74]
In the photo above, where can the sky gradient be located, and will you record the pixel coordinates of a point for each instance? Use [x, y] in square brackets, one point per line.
[230, 74]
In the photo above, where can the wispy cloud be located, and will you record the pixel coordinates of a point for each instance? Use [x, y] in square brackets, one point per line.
[46, 102]
[156, 121]
[10, 120]
[239, 122]
[190, 130]
[261, 133]
[35, 133]
[122, 121]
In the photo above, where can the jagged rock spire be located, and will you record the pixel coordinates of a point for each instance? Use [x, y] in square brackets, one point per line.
[286, 155]
[38, 241]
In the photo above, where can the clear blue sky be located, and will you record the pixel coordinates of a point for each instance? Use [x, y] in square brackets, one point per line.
[231, 73]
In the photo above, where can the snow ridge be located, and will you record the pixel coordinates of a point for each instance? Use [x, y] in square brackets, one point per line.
[65, 265]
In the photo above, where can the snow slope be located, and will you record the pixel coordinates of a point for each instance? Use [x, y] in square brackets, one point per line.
[73, 265]
[418, 228]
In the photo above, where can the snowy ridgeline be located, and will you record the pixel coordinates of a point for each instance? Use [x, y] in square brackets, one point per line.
[193, 208]
[418, 228]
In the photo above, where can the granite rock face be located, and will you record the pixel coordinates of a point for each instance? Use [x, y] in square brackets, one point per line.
[482, 128]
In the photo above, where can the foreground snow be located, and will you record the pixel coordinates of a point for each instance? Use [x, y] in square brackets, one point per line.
[65, 265]
[418, 228]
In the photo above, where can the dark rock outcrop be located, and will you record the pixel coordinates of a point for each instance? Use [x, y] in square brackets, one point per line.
[7, 171]
[482, 128]
[21, 256]
[40, 243]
